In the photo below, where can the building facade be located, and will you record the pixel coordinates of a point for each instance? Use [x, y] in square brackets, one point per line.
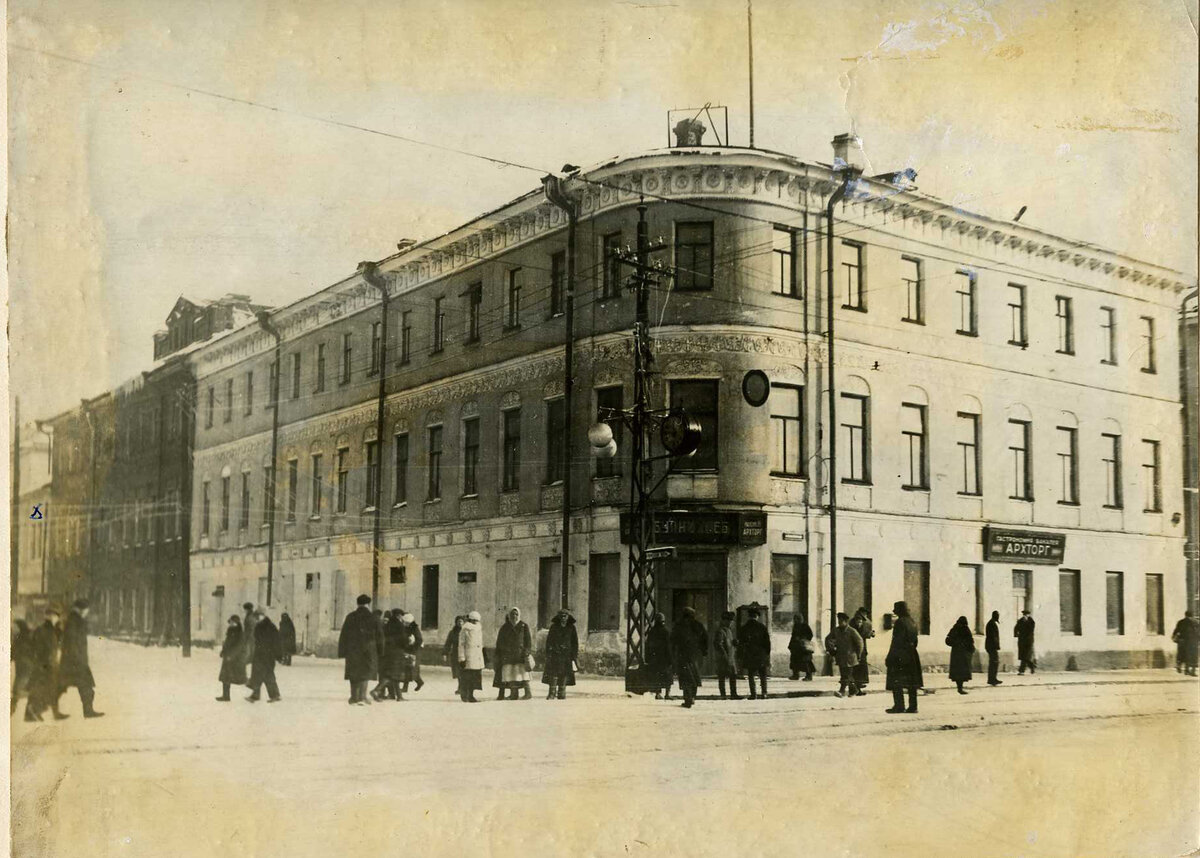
[1007, 421]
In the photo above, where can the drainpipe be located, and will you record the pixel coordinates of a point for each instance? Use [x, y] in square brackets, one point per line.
[41, 427]
[370, 273]
[555, 190]
[264, 322]
[1190, 463]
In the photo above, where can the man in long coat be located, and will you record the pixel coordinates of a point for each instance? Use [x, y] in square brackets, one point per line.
[658, 657]
[1023, 632]
[361, 645]
[1187, 640]
[991, 643]
[267, 650]
[248, 622]
[848, 652]
[689, 644]
[903, 662]
[74, 668]
[43, 677]
[754, 651]
[861, 623]
[412, 651]
[725, 651]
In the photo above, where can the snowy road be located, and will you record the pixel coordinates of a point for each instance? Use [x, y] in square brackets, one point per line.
[1104, 764]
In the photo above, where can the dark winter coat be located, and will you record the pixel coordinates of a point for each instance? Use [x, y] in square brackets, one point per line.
[74, 669]
[903, 663]
[562, 648]
[1023, 632]
[862, 624]
[1187, 635]
[287, 635]
[233, 669]
[754, 647]
[962, 646]
[801, 647]
[396, 637]
[514, 643]
[849, 646]
[689, 644]
[658, 653]
[725, 651]
[361, 645]
[450, 650]
[991, 636]
[267, 650]
[47, 649]
[248, 623]
[22, 657]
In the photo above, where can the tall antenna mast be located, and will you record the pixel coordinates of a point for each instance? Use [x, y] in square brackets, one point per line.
[750, 44]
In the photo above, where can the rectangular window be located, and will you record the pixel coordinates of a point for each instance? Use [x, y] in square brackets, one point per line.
[471, 456]
[1154, 604]
[228, 400]
[401, 488]
[699, 400]
[512, 302]
[1113, 497]
[435, 463]
[372, 495]
[224, 504]
[914, 290]
[969, 453]
[439, 326]
[1068, 465]
[1022, 585]
[609, 405]
[916, 593]
[916, 444]
[558, 279]
[856, 579]
[347, 356]
[549, 592]
[604, 592]
[789, 589]
[343, 478]
[852, 277]
[376, 346]
[510, 479]
[973, 573]
[1151, 476]
[429, 597]
[1020, 438]
[1064, 315]
[787, 429]
[1017, 335]
[1108, 335]
[609, 248]
[244, 523]
[295, 375]
[1149, 364]
[320, 388]
[317, 487]
[1069, 608]
[211, 406]
[398, 575]
[855, 426]
[964, 292]
[1114, 590]
[694, 255]
[293, 487]
[556, 459]
[405, 336]
[204, 514]
[268, 491]
[474, 311]
[783, 257]
[249, 405]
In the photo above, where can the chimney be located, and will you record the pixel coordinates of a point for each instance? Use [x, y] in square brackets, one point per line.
[688, 132]
[848, 152]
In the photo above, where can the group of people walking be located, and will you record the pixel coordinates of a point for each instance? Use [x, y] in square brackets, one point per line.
[255, 642]
[380, 647]
[50, 659]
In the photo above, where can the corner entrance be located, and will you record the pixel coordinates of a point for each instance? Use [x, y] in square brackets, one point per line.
[694, 580]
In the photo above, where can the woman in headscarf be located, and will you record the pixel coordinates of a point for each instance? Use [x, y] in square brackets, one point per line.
[903, 662]
[658, 657]
[470, 658]
[514, 648]
[562, 648]
[962, 646]
[801, 647]
[412, 653]
[391, 666]
[233, 668]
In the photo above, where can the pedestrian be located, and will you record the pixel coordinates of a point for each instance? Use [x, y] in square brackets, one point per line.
[74, 669]
[450, 649]
[1187, 639]
[43, 677]
[801, 647]
[267, 651]
[514, 657]
[903, 663]
[470, 659]
[248, 622]
[361, 645]
[861, 623]
[689, 644]
[991, 643]
[287, 639]
[1023, 632]
[562, 648]
[22, 659]
[725, 650]
[233, 669]
[848, 647]
[413, 642]
[961, 641]
[658, 657]
[391, 664]
[754, 651]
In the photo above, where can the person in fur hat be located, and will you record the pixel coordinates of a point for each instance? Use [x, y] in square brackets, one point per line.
[562, 648]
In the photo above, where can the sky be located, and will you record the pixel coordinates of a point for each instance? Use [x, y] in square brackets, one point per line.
[159, 148]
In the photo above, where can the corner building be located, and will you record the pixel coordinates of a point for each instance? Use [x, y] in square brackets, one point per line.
[988, 376]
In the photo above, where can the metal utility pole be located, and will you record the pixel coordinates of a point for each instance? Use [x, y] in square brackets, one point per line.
[187, 422]
[370, 273]
[750, 46]
[14, 562]
[556, 192]
[264, 322]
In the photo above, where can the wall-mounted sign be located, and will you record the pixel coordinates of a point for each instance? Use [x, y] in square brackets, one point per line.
[1002, 545]
[467, 577]
[701, 528]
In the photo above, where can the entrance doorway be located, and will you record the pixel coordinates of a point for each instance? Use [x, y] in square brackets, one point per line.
[311, 611]
[698, 581]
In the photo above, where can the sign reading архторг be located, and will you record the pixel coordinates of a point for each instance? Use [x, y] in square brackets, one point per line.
[1001, 544]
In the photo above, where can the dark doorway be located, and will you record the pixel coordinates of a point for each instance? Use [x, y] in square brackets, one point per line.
[698, 581]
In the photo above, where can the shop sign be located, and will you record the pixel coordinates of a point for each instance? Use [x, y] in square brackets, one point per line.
[701, 528]
[1001, 545]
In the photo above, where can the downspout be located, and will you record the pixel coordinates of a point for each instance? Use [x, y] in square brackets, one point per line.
[87, 411]
[264, 322]
[370, 273]
[187, 426]
[1191, 463]
[41, 427]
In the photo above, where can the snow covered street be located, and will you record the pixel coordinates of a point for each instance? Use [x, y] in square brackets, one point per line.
[1051, 765]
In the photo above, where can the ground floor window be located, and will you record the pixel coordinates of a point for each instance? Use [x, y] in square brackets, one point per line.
[1022, 589]
[856, 584]
[604, 592]
[789, 589]
[1069, 609]
[549, 595]
[1114, 586]
[1154, 604]
[916, 592]
[972, 576]
[429, 596]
